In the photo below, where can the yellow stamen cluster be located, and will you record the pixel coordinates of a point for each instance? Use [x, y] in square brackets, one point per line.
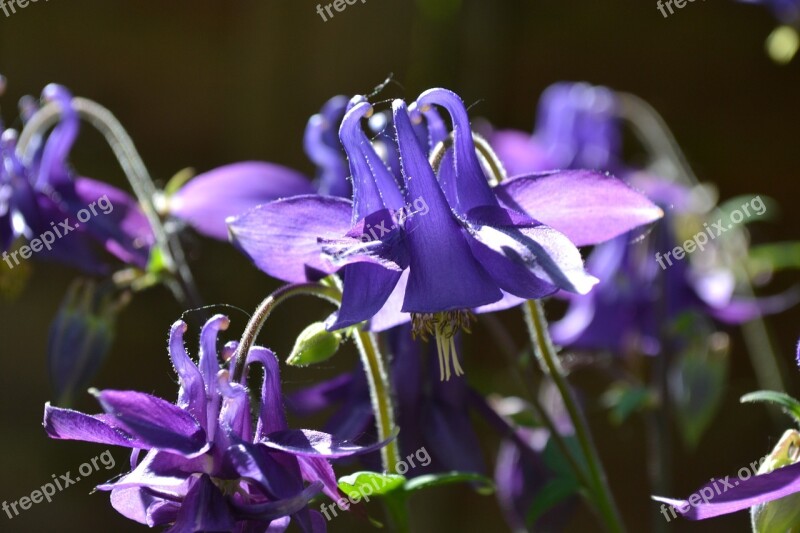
[443, 327]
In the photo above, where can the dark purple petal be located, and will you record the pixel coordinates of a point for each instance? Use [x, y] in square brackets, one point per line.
[191, 395]
[319, 469]
[311, 443]
[209, 199]
[271, 416]
[119, 224]
[203, 509]
[741, 310]
[159, 423]
[209, 366]
[322, 146]
[282, 237]
[392, 314]
[280, 508]
[472, 188]
[71, 425]
[374, 188]
[53, 169]
[588, 207]
[366, 289]
[444, 275]
[167, 473]
[747, 493]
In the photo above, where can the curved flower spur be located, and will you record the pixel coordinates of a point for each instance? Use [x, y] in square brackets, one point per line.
[471, 250]
[206, 469]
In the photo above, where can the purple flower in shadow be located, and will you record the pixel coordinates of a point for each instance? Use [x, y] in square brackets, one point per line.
[206, 468]
[41, 195]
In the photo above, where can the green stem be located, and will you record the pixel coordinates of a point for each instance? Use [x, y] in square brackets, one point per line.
[374, 368]
[135, 170]
[380, 394]
[265, 308]
[540, 337]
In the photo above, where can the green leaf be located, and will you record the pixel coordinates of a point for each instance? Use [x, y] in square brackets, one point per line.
[790, 406]
[624, 399]
[773, 257]
[485, 485]
[764, 208]
[177, 181]
[697, 382]
[554, 492]
[370, 483]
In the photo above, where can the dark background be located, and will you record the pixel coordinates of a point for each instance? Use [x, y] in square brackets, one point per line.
[206, 83]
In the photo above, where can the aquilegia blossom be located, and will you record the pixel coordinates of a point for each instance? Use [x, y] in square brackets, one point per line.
[206, 468]
[469, 250]
[40, 194]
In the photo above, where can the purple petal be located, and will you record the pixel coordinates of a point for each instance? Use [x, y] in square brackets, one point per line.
[322, 146]
[539, 257]
[392, 314]
[271, 416]
[319, 469]
[203, 509]
[159, 423]
[366, 288]
[311, 443]
[191, 395]
[119, 224]
[67, 424]
[210, 198]
[167, 473]
[741, 310]
[145, 506]
[209, 366]
[588, 207]
[444, 275]
[743, 494]
[282, 237]
[519, 152]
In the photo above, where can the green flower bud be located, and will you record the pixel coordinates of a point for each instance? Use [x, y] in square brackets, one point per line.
[314, 345]
[781, 515]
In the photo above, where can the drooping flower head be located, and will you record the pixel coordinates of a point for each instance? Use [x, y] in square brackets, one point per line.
[40, 197]
[206, 467]
[471, 246]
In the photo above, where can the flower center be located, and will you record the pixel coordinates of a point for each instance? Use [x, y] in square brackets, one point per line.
[443, 326]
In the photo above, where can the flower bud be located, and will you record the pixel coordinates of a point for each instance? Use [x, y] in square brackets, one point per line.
[80, 336]
[314, 345]
[782, 514]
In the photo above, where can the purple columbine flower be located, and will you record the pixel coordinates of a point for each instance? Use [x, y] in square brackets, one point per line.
[209, 198]
[206, 468]
[40, 195]
[576, 127]
[470, 247]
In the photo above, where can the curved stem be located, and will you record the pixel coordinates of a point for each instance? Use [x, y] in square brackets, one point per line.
[374, 368]
[540, 337]
[138, 177]
[380, 394]
[265, 308]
